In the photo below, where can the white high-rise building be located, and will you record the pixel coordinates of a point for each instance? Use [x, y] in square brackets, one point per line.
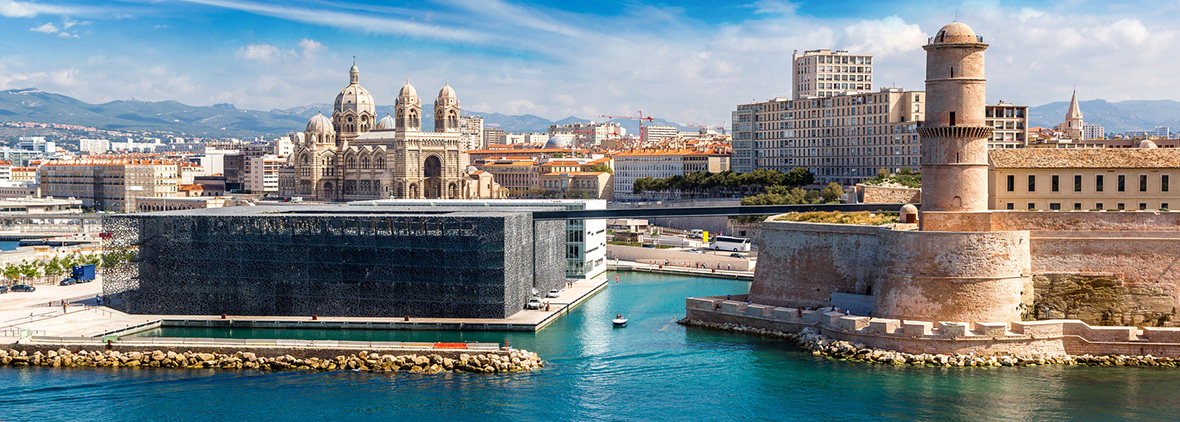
[652, 133]
[94, 146]
[1093, 131]
[471, 133]
[827, 73]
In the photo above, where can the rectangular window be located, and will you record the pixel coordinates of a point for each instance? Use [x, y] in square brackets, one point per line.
[1055, 183]
[1164, 183]
[1055, 206]
[1122, 183]
[1011, 183]
[1143, 183]
[1122, 206]
[1011, 206]
[1098, 183]
[1098, 206]
[1032, 183]
[1142, 206]
[1077, 206]
[1164, 206]
[1077, 183]
[1032, 206]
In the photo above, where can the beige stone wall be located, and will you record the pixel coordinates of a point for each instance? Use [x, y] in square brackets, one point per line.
[952, 276]
[802, 264]
[1086, 221]
[889, 195]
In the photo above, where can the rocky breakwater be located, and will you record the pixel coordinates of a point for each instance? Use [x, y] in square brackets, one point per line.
[820, 345]
[487, 363]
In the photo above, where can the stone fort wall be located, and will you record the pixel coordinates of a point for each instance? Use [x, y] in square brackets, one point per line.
[1109, 268]
[910, 274]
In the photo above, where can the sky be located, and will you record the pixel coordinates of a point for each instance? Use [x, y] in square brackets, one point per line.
[691, 62]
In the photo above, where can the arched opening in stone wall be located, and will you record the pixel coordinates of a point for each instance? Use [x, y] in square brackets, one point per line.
[432, 172]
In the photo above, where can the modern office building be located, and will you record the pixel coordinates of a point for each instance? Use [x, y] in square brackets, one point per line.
[332, 261]
[585, 240]
[653, 133]
[827, 73]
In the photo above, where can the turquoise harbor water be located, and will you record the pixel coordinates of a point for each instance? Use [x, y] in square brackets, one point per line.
[651, 370]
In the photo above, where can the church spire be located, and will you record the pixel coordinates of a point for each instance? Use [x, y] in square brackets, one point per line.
[1074, 111]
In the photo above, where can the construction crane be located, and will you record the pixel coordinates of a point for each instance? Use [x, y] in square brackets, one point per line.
[641, 118]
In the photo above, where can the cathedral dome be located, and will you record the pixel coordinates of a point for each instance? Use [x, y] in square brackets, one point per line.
[447, 92]
[955, 32]
[556, 142]
[408, 91]
[1147, 144]
[354, 97]
[386, 123]
[320, 124]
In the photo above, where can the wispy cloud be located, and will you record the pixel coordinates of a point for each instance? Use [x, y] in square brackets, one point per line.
[47, 28]
[350, 21]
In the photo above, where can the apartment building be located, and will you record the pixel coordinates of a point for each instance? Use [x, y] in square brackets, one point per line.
[471, 133]
[827, 73]
[262, 174]
[843, 139]
[661, 163]
[590, 133]
[110, 184]
[1010, 124]
[653, 133]
[1083, 179]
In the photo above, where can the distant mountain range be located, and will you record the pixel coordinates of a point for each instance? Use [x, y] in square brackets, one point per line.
[1116, 118]
[33, 105]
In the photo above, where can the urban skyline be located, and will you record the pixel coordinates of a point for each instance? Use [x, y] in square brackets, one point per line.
[689, 63]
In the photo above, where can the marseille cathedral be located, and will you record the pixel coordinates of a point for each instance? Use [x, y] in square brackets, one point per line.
[355, 156]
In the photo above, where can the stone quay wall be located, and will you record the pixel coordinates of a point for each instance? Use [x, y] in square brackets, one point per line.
[1052, 338]
[426, 361]
[911, 274]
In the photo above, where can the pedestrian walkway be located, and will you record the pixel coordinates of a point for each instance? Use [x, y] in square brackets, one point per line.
[620, 265]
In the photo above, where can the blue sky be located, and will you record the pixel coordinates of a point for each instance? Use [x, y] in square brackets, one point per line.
[690, 62]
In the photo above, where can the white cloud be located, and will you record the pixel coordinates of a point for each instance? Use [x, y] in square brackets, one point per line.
[883, 37]
[265, 53]
[26, 9]
[66, 35]
[47, 28]
[310, 46]
[777, 7]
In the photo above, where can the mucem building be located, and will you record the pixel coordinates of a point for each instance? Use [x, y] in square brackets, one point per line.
[333, 261]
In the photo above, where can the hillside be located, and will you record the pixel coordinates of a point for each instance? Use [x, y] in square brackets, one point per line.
[1116, 117]
[33, 105]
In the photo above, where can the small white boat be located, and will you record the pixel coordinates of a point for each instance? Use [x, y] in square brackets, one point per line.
[619, 321]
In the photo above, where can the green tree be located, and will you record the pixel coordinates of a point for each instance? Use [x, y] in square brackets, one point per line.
[11, 272]
[812, 197]
[600, 167]
[53, 268]
[832, 193]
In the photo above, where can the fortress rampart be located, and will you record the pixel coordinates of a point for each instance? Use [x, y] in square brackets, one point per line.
[1052, 337]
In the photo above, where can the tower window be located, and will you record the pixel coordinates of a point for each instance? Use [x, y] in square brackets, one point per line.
[952, 118]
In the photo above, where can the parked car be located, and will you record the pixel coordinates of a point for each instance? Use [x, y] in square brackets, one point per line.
[3, 289]
[23, 288]
[694, 250]
[648, 245]
[68, 282]
[736, 255]
[553, 293]
[534, 303]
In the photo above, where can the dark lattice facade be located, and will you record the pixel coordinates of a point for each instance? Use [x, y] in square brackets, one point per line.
[333, 261]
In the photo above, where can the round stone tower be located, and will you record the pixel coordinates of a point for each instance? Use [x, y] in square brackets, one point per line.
[954, 136]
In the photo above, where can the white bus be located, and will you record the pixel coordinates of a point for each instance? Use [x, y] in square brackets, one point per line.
[728, 243]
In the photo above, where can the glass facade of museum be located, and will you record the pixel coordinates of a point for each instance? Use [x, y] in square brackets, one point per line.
[374, 263]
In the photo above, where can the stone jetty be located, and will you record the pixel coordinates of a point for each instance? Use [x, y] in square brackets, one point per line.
[429, 363]
[819, 345]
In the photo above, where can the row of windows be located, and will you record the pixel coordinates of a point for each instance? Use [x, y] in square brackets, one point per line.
[1099, 183]
[1077, 206]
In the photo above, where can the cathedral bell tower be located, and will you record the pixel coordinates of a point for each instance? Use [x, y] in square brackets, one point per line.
[954, 136]
[446, 110]
[408, 109]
